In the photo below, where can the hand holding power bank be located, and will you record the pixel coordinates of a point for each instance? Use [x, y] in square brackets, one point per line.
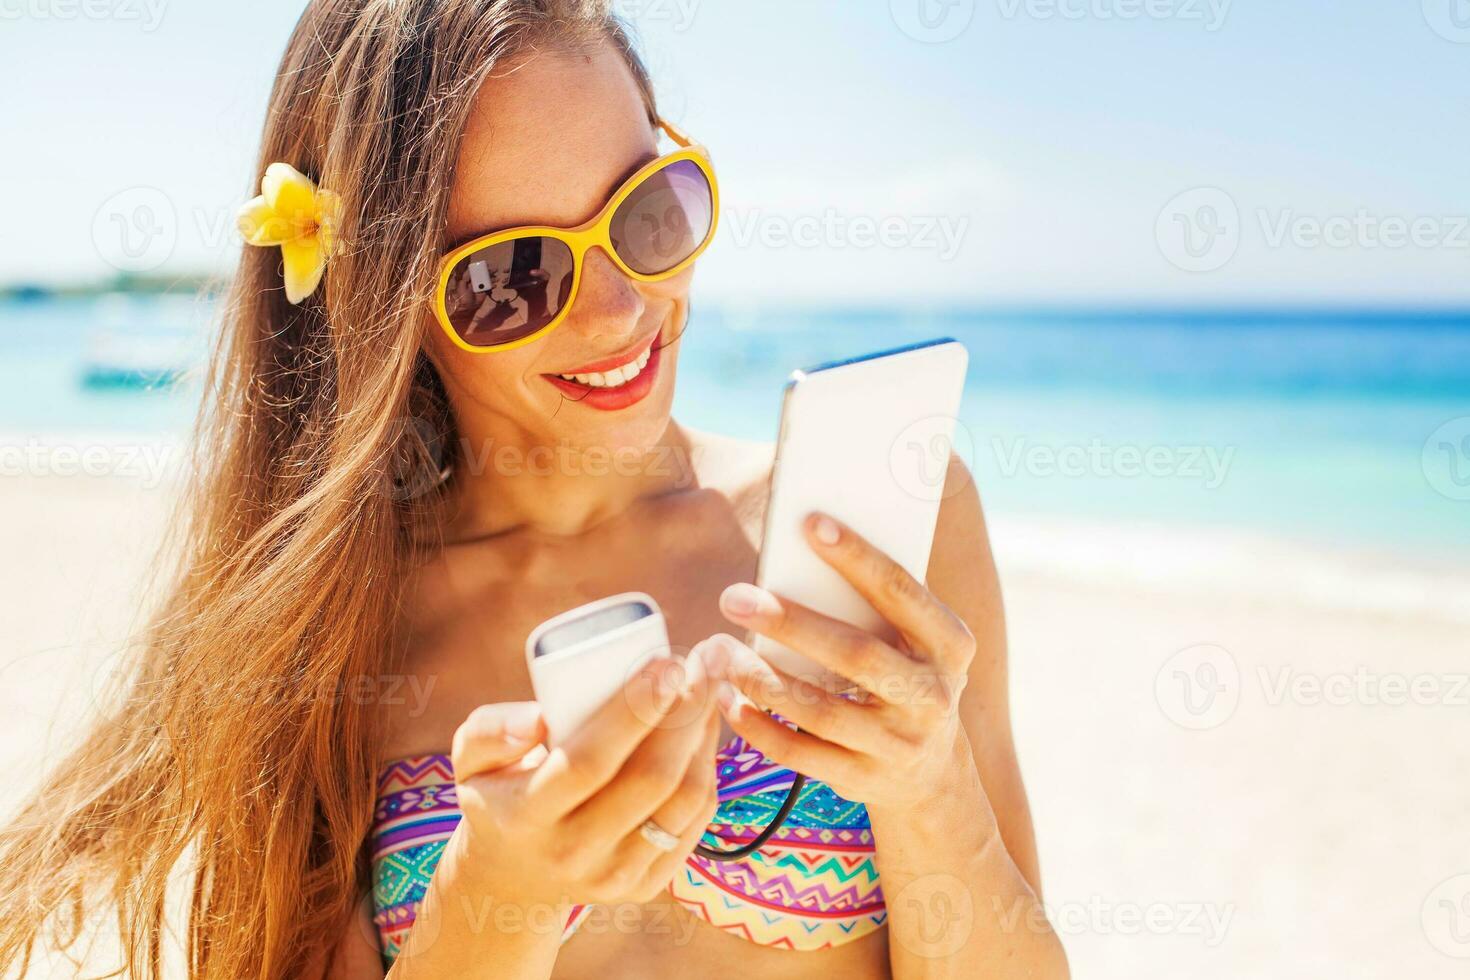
[583, 657]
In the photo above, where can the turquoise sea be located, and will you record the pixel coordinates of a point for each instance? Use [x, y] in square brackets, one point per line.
[1343, 428]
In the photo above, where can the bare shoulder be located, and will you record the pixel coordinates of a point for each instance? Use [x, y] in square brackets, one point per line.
[739, 470]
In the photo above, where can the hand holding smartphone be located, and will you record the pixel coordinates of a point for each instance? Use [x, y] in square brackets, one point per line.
[867, 441]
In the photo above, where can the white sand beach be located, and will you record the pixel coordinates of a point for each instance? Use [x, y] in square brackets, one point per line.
[1302, 813]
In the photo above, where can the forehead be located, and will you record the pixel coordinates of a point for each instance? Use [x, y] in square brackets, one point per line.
[550, 136]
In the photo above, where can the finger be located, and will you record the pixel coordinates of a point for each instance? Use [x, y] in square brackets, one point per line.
[495, 736]
[841, 647]
[930, 626]
[654, 770]
[593, 754]
[798, 751]
[667, 864]
[812, 708]
[690, 800]
[686, 815]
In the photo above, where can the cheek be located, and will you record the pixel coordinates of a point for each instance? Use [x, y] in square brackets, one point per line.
[675, 290]
[497, 380]
[488, 379]
[668, 303]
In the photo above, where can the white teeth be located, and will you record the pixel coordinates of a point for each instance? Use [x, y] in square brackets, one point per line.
[615, 378]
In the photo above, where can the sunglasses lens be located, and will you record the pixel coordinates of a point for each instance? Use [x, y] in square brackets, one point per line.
[665, 219]
[509, 290]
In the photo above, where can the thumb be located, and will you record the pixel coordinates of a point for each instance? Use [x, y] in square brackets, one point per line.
[495, 736]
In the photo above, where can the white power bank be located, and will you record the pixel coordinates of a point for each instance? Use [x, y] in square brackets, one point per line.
[584, 656]
[867, 441]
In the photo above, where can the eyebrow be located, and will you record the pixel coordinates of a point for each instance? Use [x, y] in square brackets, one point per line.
[643, 160]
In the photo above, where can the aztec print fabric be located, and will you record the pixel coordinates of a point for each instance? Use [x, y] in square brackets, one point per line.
[813, 884]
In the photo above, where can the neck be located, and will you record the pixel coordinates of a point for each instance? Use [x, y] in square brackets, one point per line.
[507, 481]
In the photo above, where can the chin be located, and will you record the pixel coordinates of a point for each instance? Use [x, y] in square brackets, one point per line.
[636, 427]
[618, 406]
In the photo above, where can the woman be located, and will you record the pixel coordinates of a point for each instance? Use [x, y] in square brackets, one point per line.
[388, 506]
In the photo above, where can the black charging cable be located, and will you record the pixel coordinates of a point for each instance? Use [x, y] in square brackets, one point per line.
[745, 850]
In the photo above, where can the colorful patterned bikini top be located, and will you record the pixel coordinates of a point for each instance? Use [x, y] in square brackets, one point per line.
[813, 884]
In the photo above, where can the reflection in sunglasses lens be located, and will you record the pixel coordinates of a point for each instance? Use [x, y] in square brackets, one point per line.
[509, 290]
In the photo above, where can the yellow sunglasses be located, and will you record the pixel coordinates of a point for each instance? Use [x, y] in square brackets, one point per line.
[512, 287]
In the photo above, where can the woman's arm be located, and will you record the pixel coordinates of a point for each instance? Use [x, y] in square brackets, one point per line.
[464, 941]
[962, 576]
[960, 870]
[928, 749]
[455, 935]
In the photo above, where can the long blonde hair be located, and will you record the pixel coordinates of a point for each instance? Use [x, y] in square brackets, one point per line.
[235, 753]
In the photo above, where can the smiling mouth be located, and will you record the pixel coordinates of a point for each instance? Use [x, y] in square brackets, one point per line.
[614, 383]
[613, 377]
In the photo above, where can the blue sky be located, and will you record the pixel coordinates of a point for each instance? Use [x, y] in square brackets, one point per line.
[979, 152]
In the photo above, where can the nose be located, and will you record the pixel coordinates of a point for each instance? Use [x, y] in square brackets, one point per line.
[608, 304]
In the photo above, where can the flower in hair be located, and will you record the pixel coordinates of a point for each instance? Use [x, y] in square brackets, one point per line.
[294, 213]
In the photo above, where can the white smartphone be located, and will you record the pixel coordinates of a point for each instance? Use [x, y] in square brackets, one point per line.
[583, 657]
[868, 441]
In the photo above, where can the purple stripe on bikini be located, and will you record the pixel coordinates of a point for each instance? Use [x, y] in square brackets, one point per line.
[746, 786]
[415, 831]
